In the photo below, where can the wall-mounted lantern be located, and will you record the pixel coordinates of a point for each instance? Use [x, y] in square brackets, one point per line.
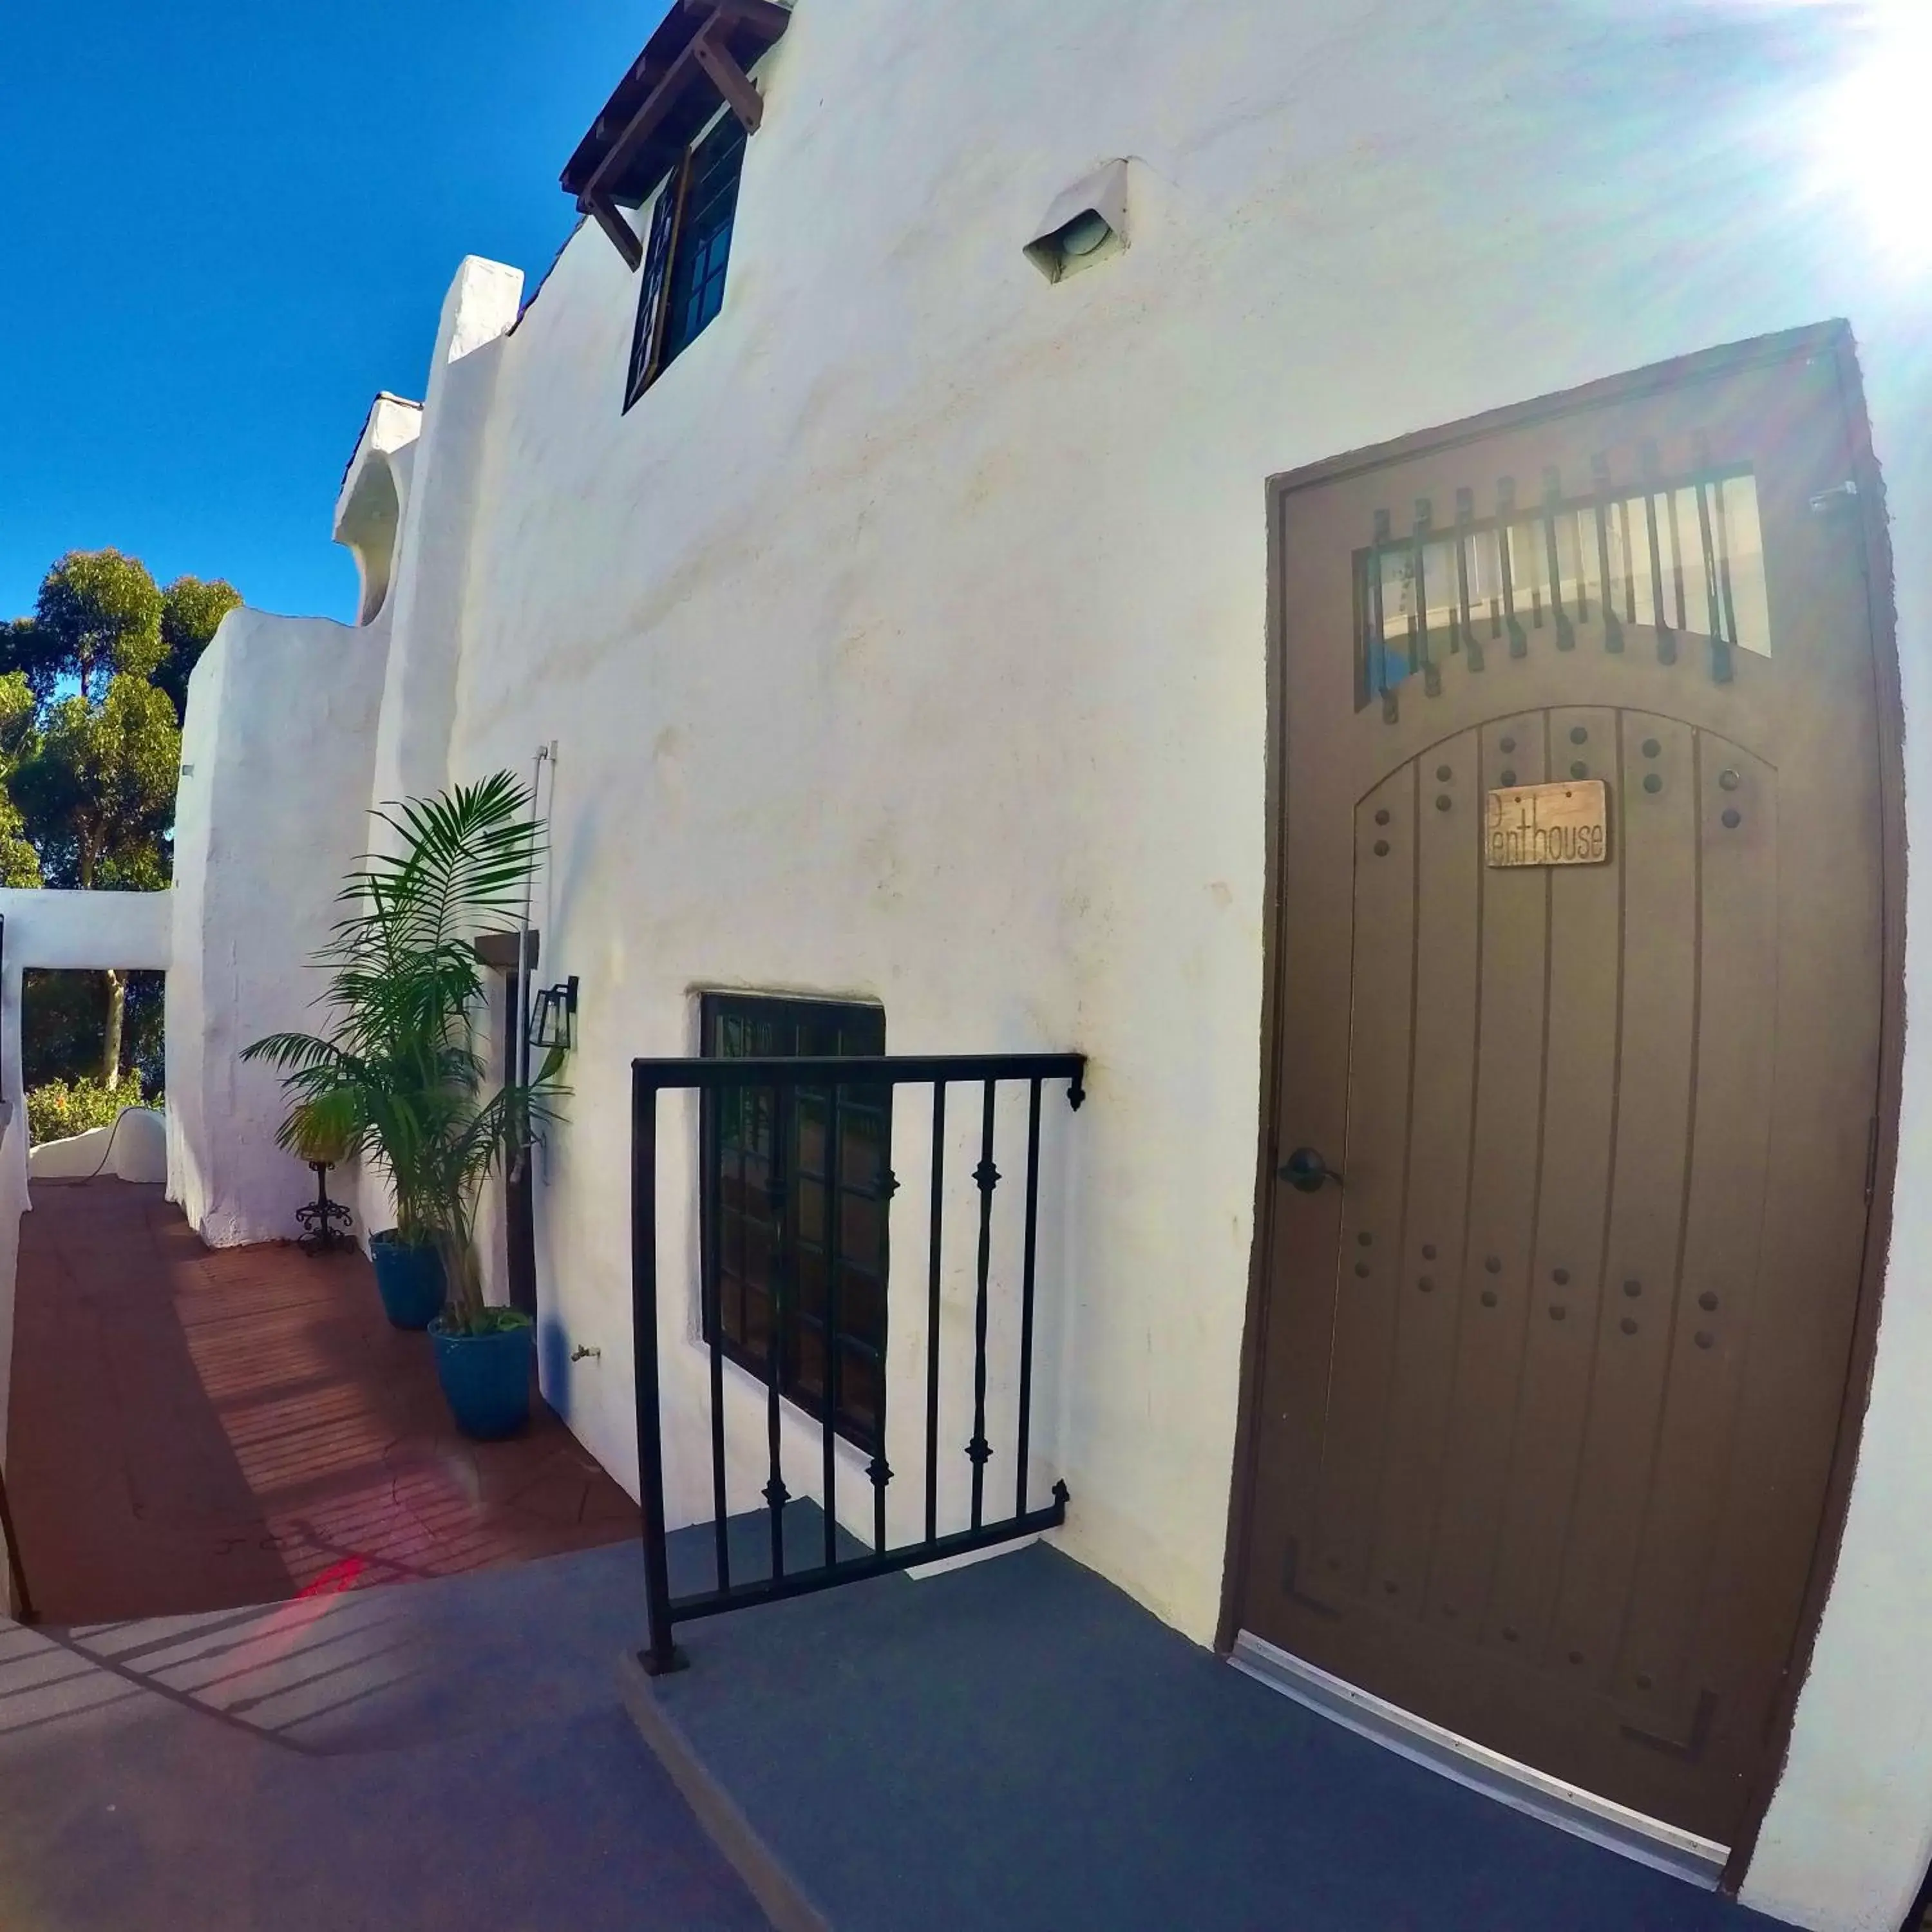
[553, 1017]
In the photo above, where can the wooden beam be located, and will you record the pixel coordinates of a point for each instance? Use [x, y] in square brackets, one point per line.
[731, 81]
[762, 17]
[654, 107]
[610, 219]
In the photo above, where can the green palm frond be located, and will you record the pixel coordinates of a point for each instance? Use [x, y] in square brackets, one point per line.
[398, 1077]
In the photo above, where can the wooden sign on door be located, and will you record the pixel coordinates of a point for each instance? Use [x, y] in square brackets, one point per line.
[1562, 824]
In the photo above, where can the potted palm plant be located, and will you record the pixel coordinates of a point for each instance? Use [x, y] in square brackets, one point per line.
[398, 1079]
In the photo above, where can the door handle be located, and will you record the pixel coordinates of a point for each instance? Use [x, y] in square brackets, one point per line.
[1305, 1170]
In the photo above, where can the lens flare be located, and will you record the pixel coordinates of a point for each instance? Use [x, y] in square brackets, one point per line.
[1875, 133]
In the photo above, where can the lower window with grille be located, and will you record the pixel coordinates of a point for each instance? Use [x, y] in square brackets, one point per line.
[795, 1192]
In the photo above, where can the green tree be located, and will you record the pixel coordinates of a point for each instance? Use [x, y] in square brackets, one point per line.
[93, 689]
[97, 789]
[20, 863]
[99, 614]
[192, 610]
[30, 653]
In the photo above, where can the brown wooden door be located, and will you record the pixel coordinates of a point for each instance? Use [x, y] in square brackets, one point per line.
[1550, 1385]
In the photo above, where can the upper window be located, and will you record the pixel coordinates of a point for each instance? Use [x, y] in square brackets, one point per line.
[683, 280]
[795, 1195]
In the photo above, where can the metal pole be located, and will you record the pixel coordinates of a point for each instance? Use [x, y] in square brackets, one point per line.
[660, 1654]
[518, 1070]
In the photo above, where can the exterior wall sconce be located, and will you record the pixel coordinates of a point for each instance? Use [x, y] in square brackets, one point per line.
[553, 1018]
[1085, 225]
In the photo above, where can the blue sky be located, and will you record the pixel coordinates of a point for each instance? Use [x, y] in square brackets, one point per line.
[225, 225]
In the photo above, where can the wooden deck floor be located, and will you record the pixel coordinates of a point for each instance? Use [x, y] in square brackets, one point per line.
[196, 1430]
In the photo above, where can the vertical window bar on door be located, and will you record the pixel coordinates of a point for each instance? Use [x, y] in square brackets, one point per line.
[1553, 502]
[1717, 564]
[1378, 619]
[1666, 640]
[1422, 654]
[1465, 515]
[1721, 646]
[1613, 629]
[1519, 638]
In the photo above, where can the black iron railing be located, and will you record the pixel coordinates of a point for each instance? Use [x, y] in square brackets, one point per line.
[842, 1559]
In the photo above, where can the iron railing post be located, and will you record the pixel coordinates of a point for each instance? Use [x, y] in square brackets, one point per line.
[660, 1654]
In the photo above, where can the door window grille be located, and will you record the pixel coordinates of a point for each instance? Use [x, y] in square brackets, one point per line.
[1684, 558]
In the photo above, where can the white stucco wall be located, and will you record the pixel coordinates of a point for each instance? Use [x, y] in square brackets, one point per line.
[277, 754]
[907, 641]
[134, 1147]
[915, 620]
[375, 491]
[426, 596]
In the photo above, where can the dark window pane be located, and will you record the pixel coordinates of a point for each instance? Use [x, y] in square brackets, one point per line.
[746, 1228]
[704, 238]
[810, 1362]
[812, 1110]
[758, 1266]
[861, 1143]
[756, 1328]
[859, 1392]
[861, 1306]
[812, 1212]
[862, 1228]
[811, 1282]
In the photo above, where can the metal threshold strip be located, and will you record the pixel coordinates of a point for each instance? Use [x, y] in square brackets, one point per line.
[1649, 1840]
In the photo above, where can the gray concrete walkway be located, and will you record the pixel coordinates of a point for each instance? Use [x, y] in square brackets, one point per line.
[1019, 1746]
[441, 1755]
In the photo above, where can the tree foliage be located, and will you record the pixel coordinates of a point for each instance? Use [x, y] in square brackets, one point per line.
[93, 694]
[19, 862]
[98, 614]
[191, 612]
[31, 654]
[60, 1108]
[96, 787]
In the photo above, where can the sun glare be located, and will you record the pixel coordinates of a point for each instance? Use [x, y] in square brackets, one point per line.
[1876, 133]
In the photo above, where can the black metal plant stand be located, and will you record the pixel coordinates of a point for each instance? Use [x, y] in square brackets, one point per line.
[327, 1222]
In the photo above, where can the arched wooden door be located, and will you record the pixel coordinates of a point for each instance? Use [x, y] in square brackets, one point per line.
[1551, 1380]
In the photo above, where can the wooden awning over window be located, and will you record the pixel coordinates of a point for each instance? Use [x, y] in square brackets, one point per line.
[696, 58]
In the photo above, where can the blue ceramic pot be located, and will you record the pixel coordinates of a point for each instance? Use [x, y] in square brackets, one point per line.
[409, 1279]
[486, 1379]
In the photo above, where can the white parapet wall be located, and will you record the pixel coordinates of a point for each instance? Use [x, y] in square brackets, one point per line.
[134, 1147]
[276, 760]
